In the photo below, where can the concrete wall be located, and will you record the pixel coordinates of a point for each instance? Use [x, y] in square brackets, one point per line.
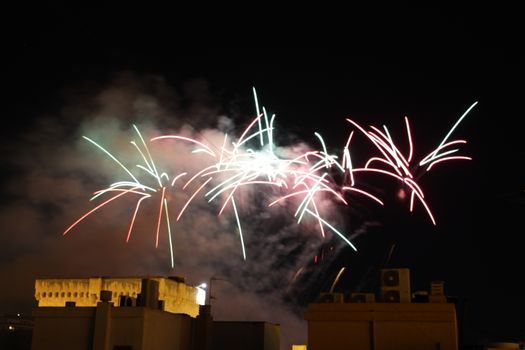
[166, 331]
[127, 327]
[381, 326]
[245, 335]
[141, 328]
[415, 335]
[272, 336]
[63, 328]
[337, 335]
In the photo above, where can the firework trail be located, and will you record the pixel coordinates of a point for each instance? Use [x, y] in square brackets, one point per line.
[304, 178]
[337, 279]
[134, 187]
[394, 163]
[253, 159]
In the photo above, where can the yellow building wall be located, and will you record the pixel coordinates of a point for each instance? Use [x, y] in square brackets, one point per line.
[84, 292]
[178, 297]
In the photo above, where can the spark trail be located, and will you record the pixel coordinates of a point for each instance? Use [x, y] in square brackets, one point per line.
[254, 163]
[135, 187]
[253, 160]
[401, 166]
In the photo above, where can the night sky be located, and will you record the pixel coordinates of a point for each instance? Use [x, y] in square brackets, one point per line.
[427, 64]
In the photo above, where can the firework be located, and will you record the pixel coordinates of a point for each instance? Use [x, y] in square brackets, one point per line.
[304, 179]
[394, 163]
[337, 277]
[135, 187]
[253, 160]
[248, 161]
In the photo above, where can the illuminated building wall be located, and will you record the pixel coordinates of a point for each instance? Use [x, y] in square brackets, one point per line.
[141, 325]
[175, 296]
[382, 326]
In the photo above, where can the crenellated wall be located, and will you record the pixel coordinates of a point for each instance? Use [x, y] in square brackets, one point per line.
[177, 297]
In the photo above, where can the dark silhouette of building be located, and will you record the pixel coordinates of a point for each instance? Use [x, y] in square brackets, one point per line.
[234, 335]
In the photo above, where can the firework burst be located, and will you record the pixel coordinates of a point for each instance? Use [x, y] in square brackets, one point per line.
[158, 182]
[394, 163]
[303, 179]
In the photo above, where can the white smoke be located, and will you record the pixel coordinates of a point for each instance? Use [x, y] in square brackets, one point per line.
[57, 171]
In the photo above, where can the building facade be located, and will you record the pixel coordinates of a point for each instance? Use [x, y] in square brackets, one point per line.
[136, 314]
[382, 326]
[173, 294]
[399, 321]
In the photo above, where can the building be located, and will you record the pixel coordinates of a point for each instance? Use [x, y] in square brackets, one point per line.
[136, 314]
[393, 323]
[381, 326]
[173, 294]
[234, 335]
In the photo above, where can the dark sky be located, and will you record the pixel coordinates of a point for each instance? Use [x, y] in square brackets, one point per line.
[313, 71]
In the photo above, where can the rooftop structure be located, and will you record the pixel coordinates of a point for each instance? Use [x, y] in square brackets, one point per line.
[173, 294]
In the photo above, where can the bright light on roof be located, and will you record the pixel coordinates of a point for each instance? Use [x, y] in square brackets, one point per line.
[201, 296]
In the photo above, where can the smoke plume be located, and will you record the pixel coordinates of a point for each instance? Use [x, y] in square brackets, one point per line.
[55, 172]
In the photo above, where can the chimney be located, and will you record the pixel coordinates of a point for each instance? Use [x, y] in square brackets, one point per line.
[149, 294]
[102, 327]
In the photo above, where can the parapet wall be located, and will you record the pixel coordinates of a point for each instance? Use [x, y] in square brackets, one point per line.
[176, 297]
